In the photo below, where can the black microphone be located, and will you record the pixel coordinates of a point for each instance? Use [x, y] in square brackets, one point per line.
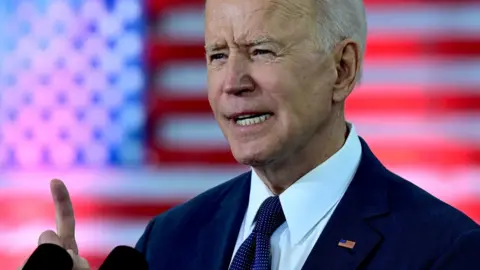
[124, 258]
[49, 256]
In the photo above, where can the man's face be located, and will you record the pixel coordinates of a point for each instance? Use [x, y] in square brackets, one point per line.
[269, 85]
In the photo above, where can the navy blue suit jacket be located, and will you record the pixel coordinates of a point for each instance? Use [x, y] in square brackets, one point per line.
[395, 224]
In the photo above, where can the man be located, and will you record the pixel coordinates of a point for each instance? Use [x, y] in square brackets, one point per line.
[279, 73]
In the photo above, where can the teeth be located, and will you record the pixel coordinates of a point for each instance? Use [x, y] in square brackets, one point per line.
[252, 121]
[245, 116]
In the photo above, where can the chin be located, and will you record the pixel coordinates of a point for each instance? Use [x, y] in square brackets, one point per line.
[251, 156]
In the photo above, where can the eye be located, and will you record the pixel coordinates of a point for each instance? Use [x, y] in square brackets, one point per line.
[262, 52]
[217, 56]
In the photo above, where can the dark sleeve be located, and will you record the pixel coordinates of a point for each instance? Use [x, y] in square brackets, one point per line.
[142, 244]
[464, 254]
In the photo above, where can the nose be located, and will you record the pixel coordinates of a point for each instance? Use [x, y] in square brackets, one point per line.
[238, 80]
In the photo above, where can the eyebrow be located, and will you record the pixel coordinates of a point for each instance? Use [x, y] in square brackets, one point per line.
[214, 47]
[261, 40]
[250, 43]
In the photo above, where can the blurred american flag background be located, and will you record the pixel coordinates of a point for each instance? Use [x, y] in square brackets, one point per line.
[110, 97]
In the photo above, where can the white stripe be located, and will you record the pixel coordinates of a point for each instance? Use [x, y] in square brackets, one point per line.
[455, 19]
[88, 233]
[186, 182]
[433, 89]
[430, 19]
[142, 184]
[457, 73]
[446, 185]
[389, 128]
[197, 132]
[183, 24]
[191, 132]
[187, 78]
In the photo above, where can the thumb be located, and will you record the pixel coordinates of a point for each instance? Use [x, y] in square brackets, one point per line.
[49, 237]
[79, 263]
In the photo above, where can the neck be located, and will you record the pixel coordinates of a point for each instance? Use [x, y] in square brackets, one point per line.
[278, 176]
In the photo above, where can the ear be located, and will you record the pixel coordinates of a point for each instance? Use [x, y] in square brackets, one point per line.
[347, 64]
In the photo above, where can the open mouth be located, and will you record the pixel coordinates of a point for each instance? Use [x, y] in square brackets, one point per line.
[251, 119]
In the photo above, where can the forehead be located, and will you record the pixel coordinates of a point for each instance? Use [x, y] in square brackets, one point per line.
[241, 18]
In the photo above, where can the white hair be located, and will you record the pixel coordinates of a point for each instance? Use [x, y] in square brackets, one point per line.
[341, 19]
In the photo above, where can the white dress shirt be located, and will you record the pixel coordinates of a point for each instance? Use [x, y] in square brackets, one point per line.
[308, 205]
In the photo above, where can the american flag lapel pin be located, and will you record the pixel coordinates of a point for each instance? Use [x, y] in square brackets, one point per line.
[346, 244]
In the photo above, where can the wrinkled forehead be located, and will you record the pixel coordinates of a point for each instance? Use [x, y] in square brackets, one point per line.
[242, 17]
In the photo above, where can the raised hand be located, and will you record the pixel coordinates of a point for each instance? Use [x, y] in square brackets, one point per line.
[64, 215]
[65, 221]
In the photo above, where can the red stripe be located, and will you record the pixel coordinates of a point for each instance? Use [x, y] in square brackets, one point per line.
[392, 153]
[157, 52]
[414, 103]
[402, 3]
[398, 47]
[413, 46]
[160, 155]
[154, 8]
[411, 153]
[34, 208]
[471, 207]
[30, 208]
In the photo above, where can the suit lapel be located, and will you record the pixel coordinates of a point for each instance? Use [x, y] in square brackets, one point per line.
[326, 254]
[364, 201]
[217, 238]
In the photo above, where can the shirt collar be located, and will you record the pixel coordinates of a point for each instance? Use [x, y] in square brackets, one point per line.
[310, 198]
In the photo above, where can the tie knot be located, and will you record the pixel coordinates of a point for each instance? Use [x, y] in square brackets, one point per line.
[270, 216]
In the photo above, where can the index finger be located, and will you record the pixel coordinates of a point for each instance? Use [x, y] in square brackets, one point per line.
[64, 215]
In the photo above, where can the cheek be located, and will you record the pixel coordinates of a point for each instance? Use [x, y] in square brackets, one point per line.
[214, 89]
[300, 91]
[283, 88]
[275, 81]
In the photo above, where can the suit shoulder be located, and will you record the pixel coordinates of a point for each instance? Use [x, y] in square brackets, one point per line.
[183, 222]
[200, 204]
[426, 211]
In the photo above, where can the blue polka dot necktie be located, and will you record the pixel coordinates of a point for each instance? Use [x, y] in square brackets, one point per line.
[254, 253]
